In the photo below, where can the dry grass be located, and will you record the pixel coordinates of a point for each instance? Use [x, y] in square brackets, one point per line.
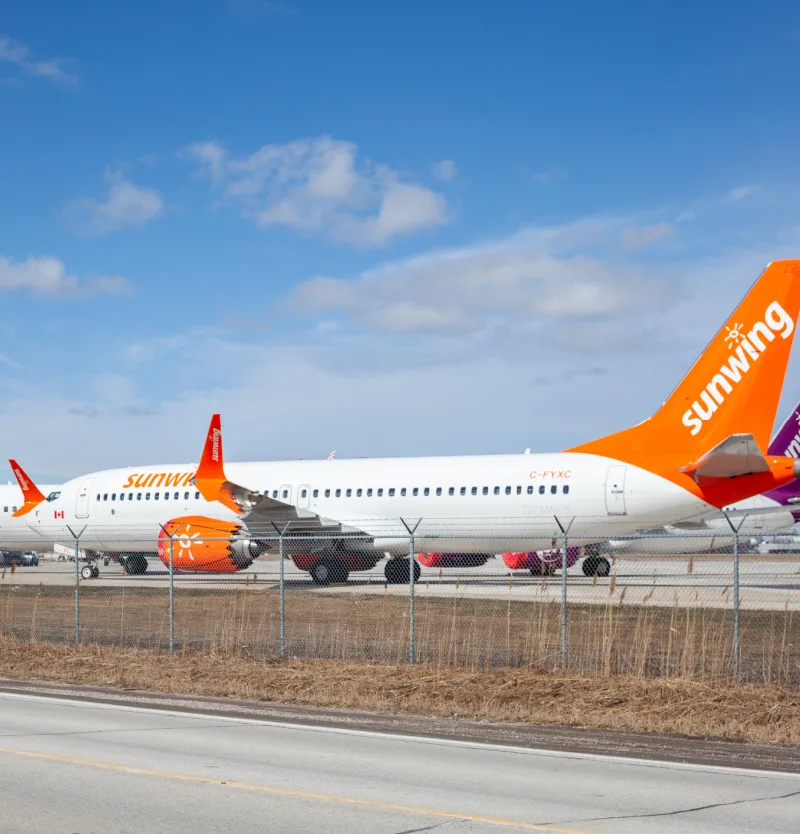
[675, 705]
[458, 632]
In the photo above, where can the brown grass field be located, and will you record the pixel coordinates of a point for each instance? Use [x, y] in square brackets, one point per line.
[714, 709]
[475, 635]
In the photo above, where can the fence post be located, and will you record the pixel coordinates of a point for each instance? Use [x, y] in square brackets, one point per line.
[412, 649]
[564, 561]
[735, 529]
[171, 567]
[282, 585]
[77, 538]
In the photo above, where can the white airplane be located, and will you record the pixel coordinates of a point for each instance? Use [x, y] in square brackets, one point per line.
[700, 451]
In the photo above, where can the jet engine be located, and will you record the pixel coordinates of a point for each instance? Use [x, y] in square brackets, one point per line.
[540, 562]
[207, 545]
[452, 560]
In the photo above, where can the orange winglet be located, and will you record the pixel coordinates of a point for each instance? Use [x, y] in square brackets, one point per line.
[210, 475]
[30, 492]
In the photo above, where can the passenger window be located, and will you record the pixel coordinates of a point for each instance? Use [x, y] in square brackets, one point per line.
[285, 493]
[130, 496]
[147, 496]
[426, 491]
[451, 491]
[197, 496]
[13, 509]
[113, 496]
[338, 493]
[315, 494]
[438, 490]
[463, 490]
[5, 509]
[98, 498]
[303, 493]
[166, 496]
[105, 496]
[530, 490]
[403, 492]
[274, 493]
[359, 491]
[391, 492]
[474, 490]
[497, 490]
[565, 490]
[138, 496]
[369, 492]
[380, 491]
[553, 489]
[349, 492]
[519, 490]
[541, 489]
[155, 496]
[485, 490]
[327, 493]
[508, 490]
[415, 491]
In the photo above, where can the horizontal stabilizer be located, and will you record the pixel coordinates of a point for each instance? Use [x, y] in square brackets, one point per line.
[736, 455]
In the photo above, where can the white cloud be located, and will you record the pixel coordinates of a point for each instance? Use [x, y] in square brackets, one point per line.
[637, 237]
[19, 55]
[318, 185]
[127, 205]
[736, 194]
[445, 170]
[537, 275]
[47, 276]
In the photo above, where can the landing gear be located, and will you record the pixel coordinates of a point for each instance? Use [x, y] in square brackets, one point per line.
[543, 570]
[397, 571]
[134, 565]
[596, 566]
[326, 571]
[87, 572]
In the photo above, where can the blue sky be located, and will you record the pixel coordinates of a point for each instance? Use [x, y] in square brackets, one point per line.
[382, 228]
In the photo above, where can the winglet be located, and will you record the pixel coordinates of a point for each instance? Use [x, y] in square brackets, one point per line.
[30, 492]
[210, 474]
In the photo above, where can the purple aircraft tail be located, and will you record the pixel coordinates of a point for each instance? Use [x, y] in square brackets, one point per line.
[787, 442]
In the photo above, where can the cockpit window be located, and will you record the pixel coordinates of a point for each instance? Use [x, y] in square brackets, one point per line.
[53, 496]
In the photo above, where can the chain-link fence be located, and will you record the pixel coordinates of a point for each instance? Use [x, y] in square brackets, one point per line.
[696, 605]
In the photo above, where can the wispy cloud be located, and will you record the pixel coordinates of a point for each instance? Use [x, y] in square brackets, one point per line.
[127, 205]
[47, 276]
[318, 185]
[445, 170]
[739, 193]
[20, 56]
[637, 237]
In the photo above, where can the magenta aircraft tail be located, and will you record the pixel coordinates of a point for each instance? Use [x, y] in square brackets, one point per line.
[787, 442]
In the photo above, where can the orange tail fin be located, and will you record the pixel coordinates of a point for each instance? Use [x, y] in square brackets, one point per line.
[30, 492]
[210, 477]
[733, 388]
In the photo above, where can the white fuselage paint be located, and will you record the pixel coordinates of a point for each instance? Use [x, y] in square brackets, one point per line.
[605, 498]
[15, 534]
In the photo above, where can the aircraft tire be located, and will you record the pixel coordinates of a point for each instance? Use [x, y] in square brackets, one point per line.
[397, 571]
[322, 572]
[87, 572]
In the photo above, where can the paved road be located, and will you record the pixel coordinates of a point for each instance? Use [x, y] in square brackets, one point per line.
[69, 766]
[766, 584]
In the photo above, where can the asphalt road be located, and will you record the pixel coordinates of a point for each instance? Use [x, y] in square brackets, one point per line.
[71, 766]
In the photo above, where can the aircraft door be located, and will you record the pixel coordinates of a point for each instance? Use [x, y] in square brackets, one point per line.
[82, 501]
[615, 490]
[303, 496]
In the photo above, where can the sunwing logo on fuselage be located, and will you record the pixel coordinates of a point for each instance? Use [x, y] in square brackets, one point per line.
[748, 347]
[158, 479]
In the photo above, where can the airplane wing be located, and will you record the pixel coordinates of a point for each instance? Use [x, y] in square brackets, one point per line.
[736, 455]
[259, 513]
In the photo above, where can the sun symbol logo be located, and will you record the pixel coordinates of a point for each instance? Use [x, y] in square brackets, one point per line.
[734, 334]
[185, 541]
[797, 416]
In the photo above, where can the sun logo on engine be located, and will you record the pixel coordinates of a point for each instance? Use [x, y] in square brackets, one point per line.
[185, 541]
[734, 334]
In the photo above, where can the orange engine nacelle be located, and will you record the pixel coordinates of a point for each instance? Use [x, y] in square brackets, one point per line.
[206, 545]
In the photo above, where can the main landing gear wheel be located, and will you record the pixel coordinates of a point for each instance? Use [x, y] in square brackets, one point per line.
[87, 572]
[397, 571]
[135, 565]
[596, 566]
[329, 570]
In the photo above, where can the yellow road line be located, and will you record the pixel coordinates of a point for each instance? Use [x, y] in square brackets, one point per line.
[325, 797]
